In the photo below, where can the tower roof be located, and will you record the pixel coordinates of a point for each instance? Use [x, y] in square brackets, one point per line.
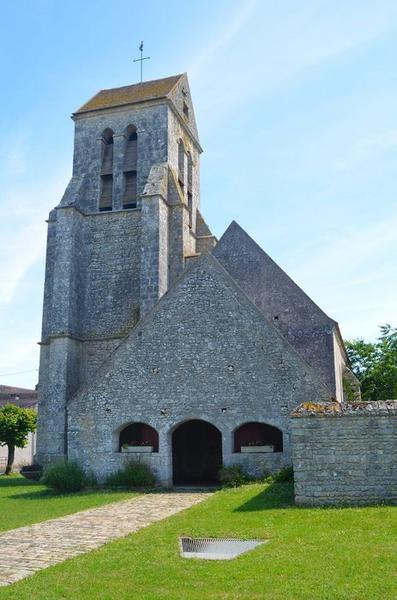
[130, 94]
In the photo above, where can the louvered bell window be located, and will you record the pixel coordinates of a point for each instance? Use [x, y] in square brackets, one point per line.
[189, 172]
[107, 159]
[130, 157]
[181, 164]
[129, 199]
[190, 206]
[105, 202]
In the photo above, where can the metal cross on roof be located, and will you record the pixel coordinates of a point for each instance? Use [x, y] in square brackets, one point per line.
[141, 59]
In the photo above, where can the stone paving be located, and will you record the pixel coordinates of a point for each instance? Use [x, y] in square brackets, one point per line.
[29, 549]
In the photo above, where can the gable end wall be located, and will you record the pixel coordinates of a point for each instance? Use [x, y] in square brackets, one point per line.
[175, 366]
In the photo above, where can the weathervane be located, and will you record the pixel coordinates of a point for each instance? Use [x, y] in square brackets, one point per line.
[141, 59]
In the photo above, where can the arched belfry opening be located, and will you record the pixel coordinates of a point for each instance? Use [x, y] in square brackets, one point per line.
[106, 197]
[190, 187]
[181, 165]
[196, 453]
[130, 167]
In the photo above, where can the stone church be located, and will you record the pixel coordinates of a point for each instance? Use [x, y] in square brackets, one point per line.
[161, 343]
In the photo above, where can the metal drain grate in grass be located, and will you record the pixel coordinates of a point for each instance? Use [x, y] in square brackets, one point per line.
[216, 549]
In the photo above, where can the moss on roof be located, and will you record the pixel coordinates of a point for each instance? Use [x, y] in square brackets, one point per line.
[346, 409]
[130, 94]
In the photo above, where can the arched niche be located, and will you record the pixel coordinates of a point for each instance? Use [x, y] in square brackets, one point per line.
[256, 434]
[139, 434]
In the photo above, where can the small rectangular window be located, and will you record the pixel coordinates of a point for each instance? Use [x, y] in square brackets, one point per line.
[186, 110]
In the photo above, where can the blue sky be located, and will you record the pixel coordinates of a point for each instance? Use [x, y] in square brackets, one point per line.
[296, 104]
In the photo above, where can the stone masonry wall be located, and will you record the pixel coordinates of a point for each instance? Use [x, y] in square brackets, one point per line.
[345, 454]
[203, 352]
[111, 287]
[151, 122]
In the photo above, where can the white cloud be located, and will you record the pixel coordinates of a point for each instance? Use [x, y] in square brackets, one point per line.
[264, 45]
[19, 360]
[14, 150]
[367, 148]
[352, 275]
[23, 233]
[222, 37]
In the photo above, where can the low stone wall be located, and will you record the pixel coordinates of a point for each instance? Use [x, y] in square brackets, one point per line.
[345, 453]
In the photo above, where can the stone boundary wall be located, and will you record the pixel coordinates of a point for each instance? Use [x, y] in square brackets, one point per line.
[345, 454]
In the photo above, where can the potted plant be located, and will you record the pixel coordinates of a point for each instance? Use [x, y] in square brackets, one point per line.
[257, 448]
[137, 447]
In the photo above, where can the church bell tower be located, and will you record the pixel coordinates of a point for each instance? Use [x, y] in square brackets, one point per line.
[125, 229]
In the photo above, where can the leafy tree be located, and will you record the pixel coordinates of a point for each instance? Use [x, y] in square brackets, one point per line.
[15, 425]
[375, 364]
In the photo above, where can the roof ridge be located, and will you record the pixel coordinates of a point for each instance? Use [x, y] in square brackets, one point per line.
[12, 389]
[121, 87]
[234, 224]
[130, 94]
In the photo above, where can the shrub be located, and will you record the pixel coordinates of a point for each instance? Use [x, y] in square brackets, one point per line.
[90, 480]
[134, 474]
[233, 476]
[284, 475]
[64, 476]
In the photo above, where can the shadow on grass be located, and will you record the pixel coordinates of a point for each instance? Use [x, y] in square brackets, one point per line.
[48, 494]
[281, 495]
[276, 495]
[36, 491]
[15, 481]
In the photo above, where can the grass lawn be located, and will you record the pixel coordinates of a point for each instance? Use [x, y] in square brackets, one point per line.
[331, 553]
[23, 502]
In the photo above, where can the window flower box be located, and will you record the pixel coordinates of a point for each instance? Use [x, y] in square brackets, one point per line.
[137, 449]
[257, 449]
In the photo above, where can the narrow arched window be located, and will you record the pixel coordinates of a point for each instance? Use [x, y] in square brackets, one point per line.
[130, 168]
[105, 200]
[138, 437]
[190, 187]
[181, 164]
[258, 437]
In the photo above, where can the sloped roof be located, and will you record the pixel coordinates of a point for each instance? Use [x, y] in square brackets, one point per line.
[22, 397]
[130, 94]
[307, 328]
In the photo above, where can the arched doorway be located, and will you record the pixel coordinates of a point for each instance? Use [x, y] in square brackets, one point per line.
[196, 453]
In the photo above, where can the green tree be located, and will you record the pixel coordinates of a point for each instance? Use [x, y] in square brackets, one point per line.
[15, 425]
[375, 364]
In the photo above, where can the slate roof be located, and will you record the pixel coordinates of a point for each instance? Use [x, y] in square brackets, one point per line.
[308, 329]
[19, 396]
[130, 94]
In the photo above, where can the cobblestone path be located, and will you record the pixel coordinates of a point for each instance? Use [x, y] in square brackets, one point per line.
[29, 549]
